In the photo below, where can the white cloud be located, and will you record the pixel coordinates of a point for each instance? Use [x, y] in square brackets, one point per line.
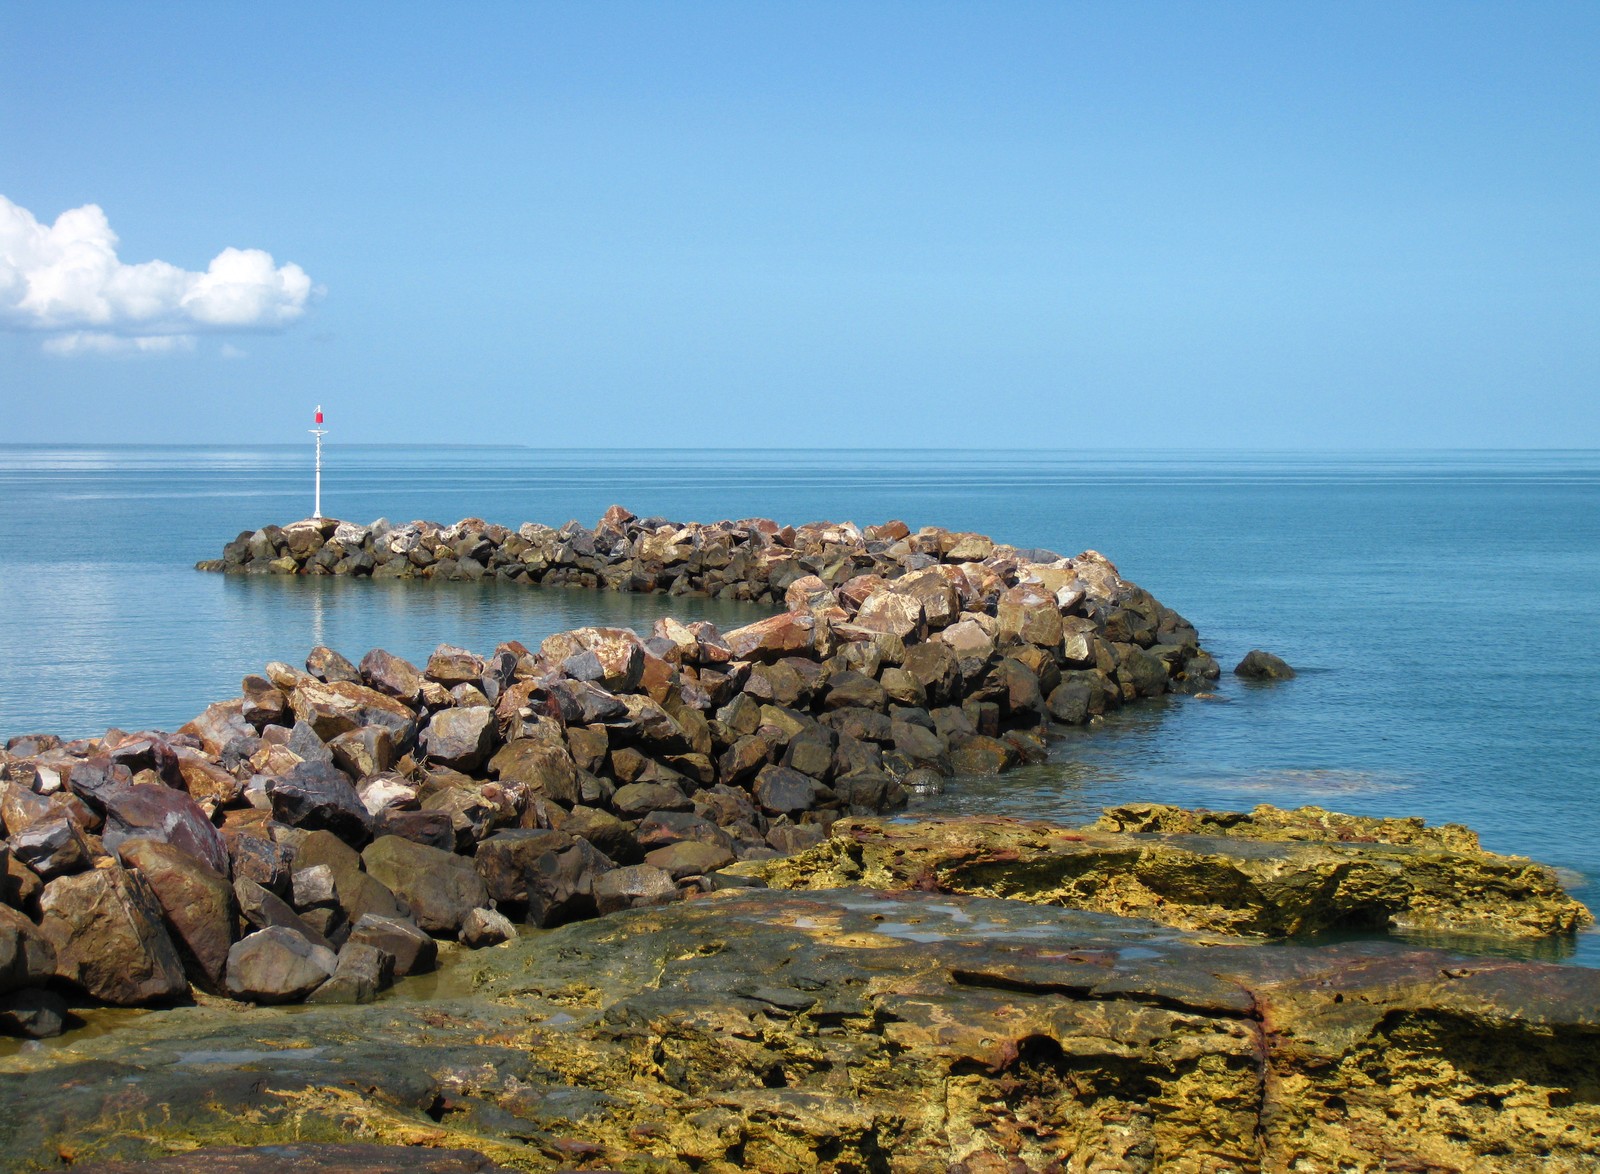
[65, 280]
[94, 342]
[229, 351]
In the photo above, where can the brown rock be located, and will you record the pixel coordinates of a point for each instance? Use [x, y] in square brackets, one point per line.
[106, 928]
[197, 905]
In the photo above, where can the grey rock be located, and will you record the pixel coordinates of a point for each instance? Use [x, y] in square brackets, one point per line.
[277, 965]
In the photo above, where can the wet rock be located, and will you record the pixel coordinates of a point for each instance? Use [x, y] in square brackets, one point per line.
[752, 1026]
[32, 1014]
[441, 888]
[277, 965]
[1262, 666]
[1232, 883]
[323, 1157]
[106, 929]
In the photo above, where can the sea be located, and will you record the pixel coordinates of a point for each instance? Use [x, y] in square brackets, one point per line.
[1439, 606]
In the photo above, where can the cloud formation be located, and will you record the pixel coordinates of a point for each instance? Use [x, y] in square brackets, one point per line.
[66, 281]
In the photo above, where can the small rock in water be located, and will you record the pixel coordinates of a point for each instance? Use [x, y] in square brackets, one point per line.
[486, 927]
[1262, 666]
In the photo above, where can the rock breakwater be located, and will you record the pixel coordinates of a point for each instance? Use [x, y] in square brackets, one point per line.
[311, 837]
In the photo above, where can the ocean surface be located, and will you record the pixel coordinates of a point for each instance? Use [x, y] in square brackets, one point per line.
[1439, 605]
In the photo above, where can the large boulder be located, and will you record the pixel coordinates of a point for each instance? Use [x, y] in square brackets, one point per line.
[26, 957]
[197, 904]
[277, 965]
[440, 887]
[155, 812]
[542, 877]
[316, 795]
[460, 738]
[1262, 666]
[106, 928]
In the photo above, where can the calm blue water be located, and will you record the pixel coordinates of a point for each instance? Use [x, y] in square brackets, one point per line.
[1440, 605]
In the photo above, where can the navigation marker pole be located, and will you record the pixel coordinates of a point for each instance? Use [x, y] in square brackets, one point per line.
[319, 432]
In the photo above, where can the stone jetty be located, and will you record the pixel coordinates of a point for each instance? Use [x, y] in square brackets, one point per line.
[957, 994]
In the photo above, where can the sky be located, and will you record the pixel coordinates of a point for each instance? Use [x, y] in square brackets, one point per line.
[754, 225]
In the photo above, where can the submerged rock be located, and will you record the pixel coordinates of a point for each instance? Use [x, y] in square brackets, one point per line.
[1262, 666]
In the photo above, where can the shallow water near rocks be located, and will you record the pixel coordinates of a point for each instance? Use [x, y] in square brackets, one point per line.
[1437, 605]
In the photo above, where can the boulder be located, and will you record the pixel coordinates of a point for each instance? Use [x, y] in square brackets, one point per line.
[441, 888]
[315, 795]
[781, 791]
[266, 910]
[33, 1014]
[106, 928]
[391, 675]
[542, 877]
[197, 904]
[156, 812]
[486, 927]
[460, 738]
[412, 950]
[788, 634]
[362, 970]
[364, 751]
[689, 858]
[328, 666]
[1029, 614]
[277, 965]
[26, 957]
[544, 769]
[51, 847]
[1262, 666]
[892, 612]
[634, 886]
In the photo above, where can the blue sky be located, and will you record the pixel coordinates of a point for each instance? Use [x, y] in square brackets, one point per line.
[813, 225]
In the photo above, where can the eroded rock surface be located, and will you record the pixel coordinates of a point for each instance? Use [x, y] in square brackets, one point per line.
[851, 1030]
[1271, 873]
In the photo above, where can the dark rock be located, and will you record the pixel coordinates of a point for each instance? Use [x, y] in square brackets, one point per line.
[689, 858]
[316, 795]
[638, 799]
[1262, 666]
[634, 887]
[51, 848]
[546, 770]
[320, 1157]
[436, 829]
[161, 813]
[26, 956]
[277, 965]
[977, 754]
[361, 972]
[33, 1014]
[542, 877]
[265, 910]
[781, 791]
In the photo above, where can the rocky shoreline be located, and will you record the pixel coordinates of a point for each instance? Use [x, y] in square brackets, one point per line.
[1061, 994]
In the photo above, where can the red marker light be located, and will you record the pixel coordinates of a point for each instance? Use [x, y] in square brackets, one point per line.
[319, 415]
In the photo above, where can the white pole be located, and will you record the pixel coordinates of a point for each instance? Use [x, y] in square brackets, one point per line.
[319, 433]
